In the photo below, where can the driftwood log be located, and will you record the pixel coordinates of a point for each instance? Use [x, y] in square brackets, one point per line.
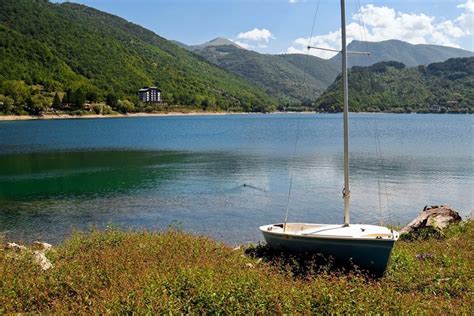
[437, 217]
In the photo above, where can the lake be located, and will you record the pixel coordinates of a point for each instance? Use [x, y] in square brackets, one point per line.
[223, 176]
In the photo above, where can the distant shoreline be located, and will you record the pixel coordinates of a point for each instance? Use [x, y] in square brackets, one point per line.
[64, 116]
[94, 116]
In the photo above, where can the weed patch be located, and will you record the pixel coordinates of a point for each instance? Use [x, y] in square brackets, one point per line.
[113, 271]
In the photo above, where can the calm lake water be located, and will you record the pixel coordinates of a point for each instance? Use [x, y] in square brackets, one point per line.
[189, 172]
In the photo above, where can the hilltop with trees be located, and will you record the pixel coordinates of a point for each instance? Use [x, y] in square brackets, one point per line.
[392, 87]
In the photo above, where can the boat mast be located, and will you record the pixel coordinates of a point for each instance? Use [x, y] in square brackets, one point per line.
[346, 192]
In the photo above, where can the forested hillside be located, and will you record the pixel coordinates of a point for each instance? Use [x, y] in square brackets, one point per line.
[49, 49]
[295, 79]
[282, 76]
[390, 86]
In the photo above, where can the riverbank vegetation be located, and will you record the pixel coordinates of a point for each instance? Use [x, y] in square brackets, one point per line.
[17, 98]
[123, 272]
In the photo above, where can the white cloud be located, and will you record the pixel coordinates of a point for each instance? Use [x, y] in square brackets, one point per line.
[469, 6]
[256, 35]
[383, 23]
[466, 19]
[254, 39]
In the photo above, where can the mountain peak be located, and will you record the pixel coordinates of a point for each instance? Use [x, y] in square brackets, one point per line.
[218, 41]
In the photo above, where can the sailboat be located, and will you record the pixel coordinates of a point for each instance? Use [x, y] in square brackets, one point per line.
[367, 246]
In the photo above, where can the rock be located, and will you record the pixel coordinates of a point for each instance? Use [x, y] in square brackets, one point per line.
[41, 259]
[39, 256]
[249, 265]
[15, 247]
[437, 217]
[38, 245]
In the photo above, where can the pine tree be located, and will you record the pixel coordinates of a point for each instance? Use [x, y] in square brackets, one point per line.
[79, 98]
[68, 97]
[112, 100]
[57, 104]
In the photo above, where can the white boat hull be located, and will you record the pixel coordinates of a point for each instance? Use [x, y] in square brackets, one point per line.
[367, 246]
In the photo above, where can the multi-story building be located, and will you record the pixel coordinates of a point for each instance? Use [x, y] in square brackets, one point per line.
[149, 94]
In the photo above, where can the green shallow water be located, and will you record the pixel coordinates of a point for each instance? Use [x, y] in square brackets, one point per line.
[83, 174]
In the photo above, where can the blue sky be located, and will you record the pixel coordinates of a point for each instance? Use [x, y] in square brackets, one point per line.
[284, 26]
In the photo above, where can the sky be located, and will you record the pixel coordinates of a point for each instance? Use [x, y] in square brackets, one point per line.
[284, 26]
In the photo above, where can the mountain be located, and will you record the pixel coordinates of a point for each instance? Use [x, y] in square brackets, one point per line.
[403, 52]
[297, 78]
[282, 76]
[71, 46]
[182, 45]
[219, 41]
[49, 50]
[390, 86]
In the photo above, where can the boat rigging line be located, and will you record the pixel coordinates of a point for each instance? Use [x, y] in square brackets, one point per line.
[292, 166]
[376, 133]
[378, 147]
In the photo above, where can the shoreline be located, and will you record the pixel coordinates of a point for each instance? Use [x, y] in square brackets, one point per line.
[65, 116]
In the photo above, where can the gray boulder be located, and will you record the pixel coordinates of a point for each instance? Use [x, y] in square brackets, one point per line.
[437, 217]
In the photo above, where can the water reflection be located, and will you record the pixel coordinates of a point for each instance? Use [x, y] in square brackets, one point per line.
[224, 194]
[83, 174]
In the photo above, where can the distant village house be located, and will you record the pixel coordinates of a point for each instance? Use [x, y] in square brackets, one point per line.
[149, 94]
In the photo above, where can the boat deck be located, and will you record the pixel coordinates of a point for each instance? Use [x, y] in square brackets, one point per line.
[358, 231]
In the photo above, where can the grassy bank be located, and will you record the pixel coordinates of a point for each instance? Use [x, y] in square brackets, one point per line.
[116, 271]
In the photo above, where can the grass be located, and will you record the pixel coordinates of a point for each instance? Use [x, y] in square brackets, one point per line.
[143, 272]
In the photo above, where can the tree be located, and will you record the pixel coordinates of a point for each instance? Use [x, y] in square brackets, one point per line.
[6, 104]
[79, 98]
[36, 104]
[111, 100]
[68, 97]
[125, 106]
[92, 96]
[57, 103]
[17, 90]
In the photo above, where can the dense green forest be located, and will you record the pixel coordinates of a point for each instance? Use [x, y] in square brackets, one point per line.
[49, 50]
[391, 87]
